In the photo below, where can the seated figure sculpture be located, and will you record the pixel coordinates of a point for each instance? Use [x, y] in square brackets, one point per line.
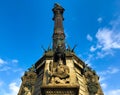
[60, 73]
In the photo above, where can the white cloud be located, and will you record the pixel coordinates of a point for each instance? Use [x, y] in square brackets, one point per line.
[92, 48]
[7, 87]
[2, 61]
[6, 68]
[110, 70]
[113, 92]
[101, 54]
[108, 39]
[89, 38]
[115, 24]
[100, 19]
[18, 70]
[104, 75]
[87, 61]
[1, 83]
[113, 70]
[8, 61]
[104, 85]
[102, 78]
[67, 35]
[14, 61]
[5, 65]
[12, 89]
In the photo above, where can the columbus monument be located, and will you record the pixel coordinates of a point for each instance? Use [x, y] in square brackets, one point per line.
[59, 71]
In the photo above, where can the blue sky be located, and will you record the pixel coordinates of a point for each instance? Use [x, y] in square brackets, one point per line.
[26, 25]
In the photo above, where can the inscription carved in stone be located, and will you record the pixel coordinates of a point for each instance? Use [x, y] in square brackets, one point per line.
[61, 91]
[51, 92]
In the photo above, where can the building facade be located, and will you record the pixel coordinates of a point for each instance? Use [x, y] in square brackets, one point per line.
[60, 71]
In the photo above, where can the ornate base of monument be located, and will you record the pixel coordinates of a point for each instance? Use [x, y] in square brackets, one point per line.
[60, 90]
